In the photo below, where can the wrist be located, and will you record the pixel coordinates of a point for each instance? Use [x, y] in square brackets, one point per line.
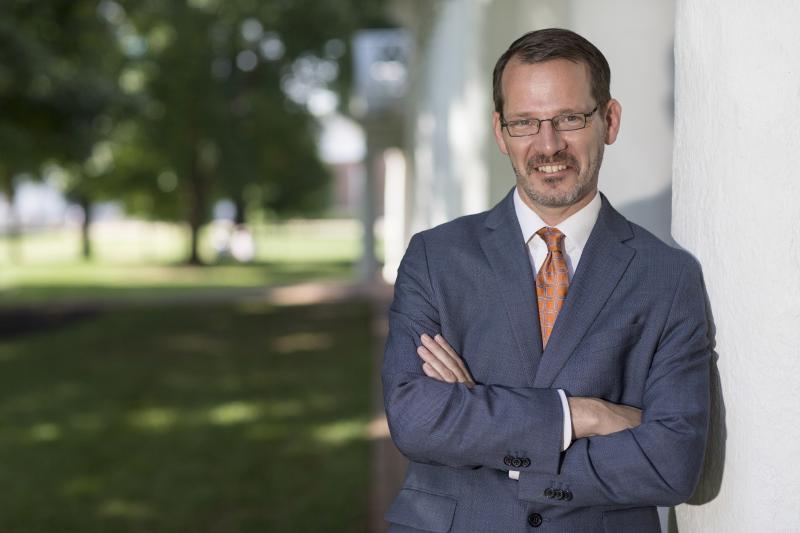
[584, 417]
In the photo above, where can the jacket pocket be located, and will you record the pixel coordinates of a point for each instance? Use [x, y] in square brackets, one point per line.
[636, 520]
[422, 510]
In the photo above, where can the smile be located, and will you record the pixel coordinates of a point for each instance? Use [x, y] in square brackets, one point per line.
[550, 169]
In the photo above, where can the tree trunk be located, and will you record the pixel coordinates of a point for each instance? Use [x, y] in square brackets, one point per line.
[194, 257]
[197, 211]
[14, 241]
[239, 203]
[86, 242]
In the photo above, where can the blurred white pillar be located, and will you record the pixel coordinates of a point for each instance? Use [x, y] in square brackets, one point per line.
[736, 206]
[450, 123]
[394, 211]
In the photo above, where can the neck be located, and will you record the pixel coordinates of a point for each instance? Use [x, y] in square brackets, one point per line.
[552, 216]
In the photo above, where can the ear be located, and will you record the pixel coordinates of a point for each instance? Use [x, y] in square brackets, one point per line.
[498, 133]
[612, 117]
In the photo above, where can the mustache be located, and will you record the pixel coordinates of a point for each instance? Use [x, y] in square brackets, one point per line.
[564, 159]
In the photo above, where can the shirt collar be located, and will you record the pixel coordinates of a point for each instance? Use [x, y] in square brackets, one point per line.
[575, 228]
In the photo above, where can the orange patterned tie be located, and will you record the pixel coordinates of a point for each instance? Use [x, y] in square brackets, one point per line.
[552, 281]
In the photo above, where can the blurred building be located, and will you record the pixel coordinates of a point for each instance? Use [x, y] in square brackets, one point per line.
[36, 205]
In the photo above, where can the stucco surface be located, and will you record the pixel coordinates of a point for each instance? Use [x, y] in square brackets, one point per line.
[736, 206]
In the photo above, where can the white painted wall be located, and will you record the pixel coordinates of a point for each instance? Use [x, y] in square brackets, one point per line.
[736, 206]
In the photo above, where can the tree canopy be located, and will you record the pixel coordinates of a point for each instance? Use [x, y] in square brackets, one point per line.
[168, 106]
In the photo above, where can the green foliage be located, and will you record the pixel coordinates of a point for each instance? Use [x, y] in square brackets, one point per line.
[172, 105]
[57, 80]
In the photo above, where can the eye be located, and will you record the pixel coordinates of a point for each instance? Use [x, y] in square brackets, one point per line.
[570, 119]
[524, 123]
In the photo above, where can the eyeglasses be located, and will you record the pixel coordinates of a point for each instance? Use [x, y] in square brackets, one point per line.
[530, 126]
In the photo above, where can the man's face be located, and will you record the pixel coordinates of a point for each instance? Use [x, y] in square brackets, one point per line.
[554, 169]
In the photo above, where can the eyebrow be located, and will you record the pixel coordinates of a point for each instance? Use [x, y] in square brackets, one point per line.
[523, 115]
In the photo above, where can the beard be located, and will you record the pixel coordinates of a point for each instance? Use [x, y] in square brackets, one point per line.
[585, 183]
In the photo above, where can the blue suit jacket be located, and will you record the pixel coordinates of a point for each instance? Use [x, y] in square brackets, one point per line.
[632, 331]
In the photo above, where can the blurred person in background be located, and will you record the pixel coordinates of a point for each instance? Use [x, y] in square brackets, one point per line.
[548, 360]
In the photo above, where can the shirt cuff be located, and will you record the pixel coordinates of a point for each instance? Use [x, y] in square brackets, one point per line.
[567, 421]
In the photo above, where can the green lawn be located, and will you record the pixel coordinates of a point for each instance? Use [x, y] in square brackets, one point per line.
[137, 241]
[135, 259]
[214, 418]
[69, 282]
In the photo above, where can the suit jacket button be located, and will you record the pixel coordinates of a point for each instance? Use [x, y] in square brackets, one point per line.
[567, 495]
[558, 494]
[535, 519]
[548, 493]
[516, 462]
[526, 462]
[507, 460]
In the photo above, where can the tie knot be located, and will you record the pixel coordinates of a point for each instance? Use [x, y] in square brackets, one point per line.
[552, 238]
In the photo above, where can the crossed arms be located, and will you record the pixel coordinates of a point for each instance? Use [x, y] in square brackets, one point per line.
[591, 417]
[620, 456]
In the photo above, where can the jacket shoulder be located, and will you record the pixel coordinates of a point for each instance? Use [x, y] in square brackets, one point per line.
[648, 244]
[456, 230]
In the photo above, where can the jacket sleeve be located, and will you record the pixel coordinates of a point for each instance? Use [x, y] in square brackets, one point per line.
[658, 462]
[449, 424]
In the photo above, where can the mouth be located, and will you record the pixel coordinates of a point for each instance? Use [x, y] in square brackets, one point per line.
[550, 168]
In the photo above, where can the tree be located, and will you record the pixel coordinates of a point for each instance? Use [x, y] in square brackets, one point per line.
[217, 121]
[171, 105]
[58, 93]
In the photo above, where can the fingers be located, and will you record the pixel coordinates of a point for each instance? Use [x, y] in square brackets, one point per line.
[443, 343]
[438, 367]
[448, 357]
[431, 373]
[443, 363]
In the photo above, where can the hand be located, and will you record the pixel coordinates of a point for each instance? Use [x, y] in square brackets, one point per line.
[441, 362]
[592, 417]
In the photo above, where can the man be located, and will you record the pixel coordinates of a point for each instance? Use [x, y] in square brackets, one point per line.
[547, 363]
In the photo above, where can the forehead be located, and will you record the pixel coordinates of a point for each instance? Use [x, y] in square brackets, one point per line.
[549, 87]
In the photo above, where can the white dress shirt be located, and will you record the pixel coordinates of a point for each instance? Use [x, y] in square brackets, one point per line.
[576, 230]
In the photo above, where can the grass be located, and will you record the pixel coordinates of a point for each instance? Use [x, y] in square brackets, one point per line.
[137, 242]
[215, 418]
[56, 283]
[159, 417]
[144, 260]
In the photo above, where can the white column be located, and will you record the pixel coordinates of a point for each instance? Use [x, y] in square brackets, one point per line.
[736, 206]
[394, 212]
[452, 118]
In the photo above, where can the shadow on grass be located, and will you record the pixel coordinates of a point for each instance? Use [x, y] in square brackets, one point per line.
[209, 418]
[121, 282]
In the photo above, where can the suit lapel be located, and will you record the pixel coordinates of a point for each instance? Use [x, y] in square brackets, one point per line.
[603, 262]
[504, 247]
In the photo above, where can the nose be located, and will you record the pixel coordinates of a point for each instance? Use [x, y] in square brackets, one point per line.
[548, 141]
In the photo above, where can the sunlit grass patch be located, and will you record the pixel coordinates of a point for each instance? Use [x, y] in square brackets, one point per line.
[136, 259]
